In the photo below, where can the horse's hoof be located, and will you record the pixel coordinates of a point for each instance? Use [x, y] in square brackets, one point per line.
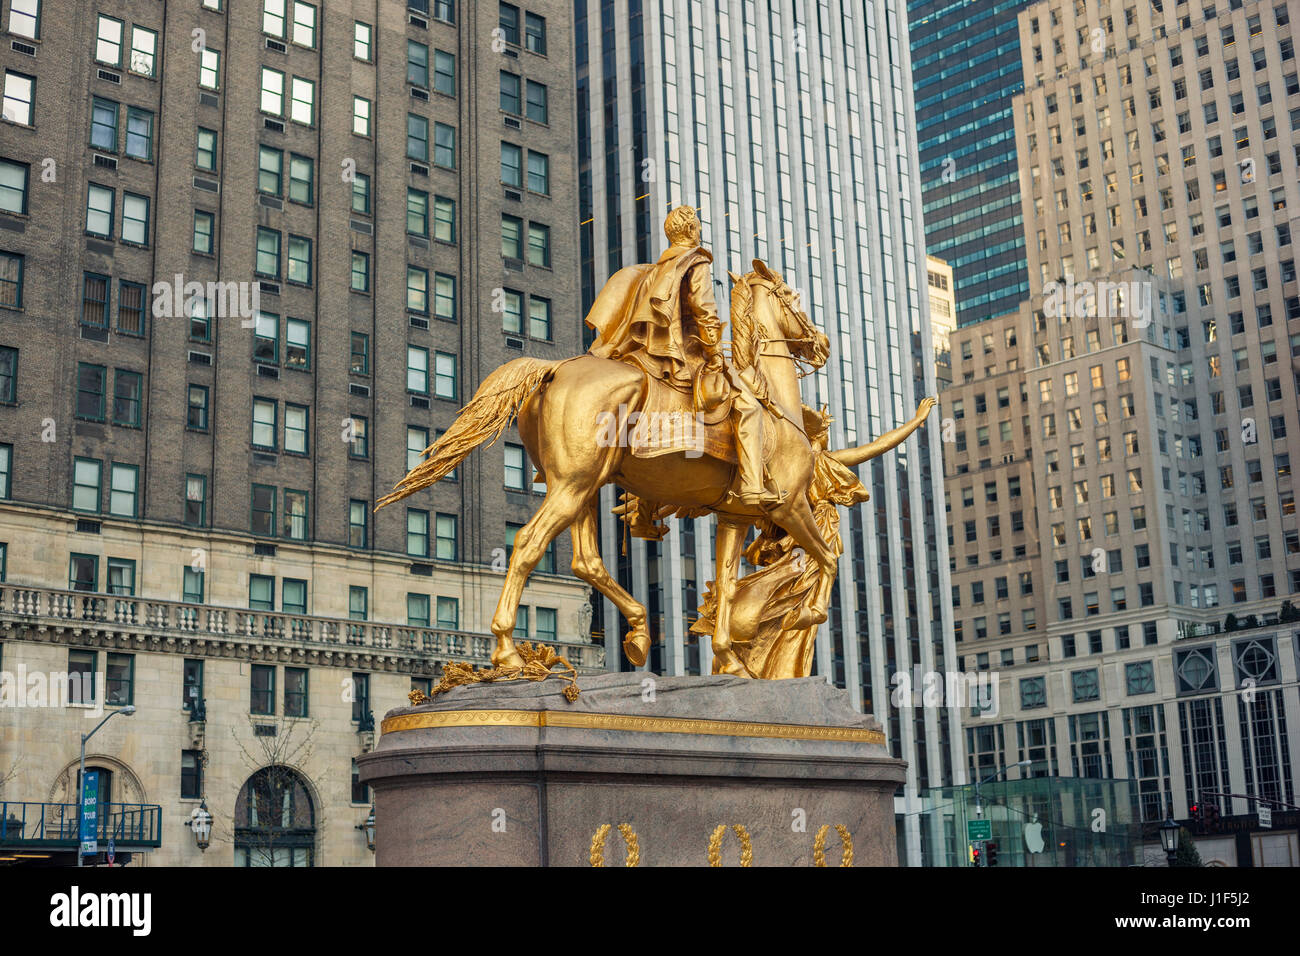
[510, 658]
[728, 662]
[637, 645]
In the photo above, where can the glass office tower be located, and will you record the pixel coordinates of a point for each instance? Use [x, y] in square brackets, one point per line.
[966, 69]
[789, 126]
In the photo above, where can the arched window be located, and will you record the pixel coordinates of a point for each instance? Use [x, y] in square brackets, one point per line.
[275, 823]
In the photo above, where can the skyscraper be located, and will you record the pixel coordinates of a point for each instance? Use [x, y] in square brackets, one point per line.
[966, 69]
[1127, 553]
[787, 124]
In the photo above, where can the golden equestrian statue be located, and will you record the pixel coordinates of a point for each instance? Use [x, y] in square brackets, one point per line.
[657, 408]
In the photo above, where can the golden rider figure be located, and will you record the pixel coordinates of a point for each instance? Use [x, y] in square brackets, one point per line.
[670, 328]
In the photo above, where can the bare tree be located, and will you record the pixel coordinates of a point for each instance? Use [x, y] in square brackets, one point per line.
[274, 816]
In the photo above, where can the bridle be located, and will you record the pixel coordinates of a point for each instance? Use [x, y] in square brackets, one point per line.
[803, 367]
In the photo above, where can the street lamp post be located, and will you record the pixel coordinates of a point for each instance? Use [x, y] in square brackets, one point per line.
[126, 711]
[1169, 834]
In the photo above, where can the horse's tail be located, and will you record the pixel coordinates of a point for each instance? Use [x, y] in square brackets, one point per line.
[491, 410]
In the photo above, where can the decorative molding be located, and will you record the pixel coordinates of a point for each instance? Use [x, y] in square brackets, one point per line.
[659, 725]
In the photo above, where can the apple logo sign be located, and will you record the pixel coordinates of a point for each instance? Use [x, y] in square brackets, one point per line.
[1034, 836]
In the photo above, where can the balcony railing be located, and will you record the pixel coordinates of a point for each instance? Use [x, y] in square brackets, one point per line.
[202, 621]
[54, 825]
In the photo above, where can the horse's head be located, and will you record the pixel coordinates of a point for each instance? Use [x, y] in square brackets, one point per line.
[791, 323]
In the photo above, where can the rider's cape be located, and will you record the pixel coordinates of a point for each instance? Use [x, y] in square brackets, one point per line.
[637, 317]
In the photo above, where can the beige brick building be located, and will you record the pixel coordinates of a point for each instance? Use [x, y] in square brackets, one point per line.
[376, 203]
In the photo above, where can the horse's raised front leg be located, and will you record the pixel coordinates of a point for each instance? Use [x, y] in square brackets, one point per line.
[731, 540]
[588, 566]
[559, 509]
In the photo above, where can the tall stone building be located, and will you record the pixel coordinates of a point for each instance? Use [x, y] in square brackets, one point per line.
[943, 316]
[254, 255]
[788, 126]
[1125, 546]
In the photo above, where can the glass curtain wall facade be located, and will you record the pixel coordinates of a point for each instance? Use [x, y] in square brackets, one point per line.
[966, 68]
[787, 125]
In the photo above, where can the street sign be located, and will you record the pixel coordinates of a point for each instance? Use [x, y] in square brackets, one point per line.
[112, 851]
[977, 830]
[1265, 816]
[88, 826]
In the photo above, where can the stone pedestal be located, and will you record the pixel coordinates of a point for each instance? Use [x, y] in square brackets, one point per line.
[512, 774]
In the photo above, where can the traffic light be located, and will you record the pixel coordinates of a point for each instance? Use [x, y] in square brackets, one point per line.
[975, 856]
[1194, 817]
[991, 853]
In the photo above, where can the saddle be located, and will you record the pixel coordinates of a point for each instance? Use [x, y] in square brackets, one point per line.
[669, 424]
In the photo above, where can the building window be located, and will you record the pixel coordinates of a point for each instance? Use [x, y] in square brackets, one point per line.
[87, 474]
[135, 219]
[362, 34]
[446, 544]
[1033, 692]
[204, 223]
[361, 698]
[444, 72]
[417, 212]
[13, 187]
[360, 272]
[119, 679]
[299, 260]
[19, 93]
[295, 515]
[268, 253]
[417, 63]
[265, 423]
[448, 614]
[417, 440]
[538, 110]
[512, 237]
[1139, 678]
[539, 245]
[108, 41]
[444, 297]
[444, 219]
[8, 375]
[444, 145]
[417, 289]
[262, 510]
[270, 171]
[515, 465]
[510, 93]
[360, 354]
[444, 377]
[139, 133]
[361, 194]
[508, 17]
[262, 690]
[121, 576]
[535, 33]
[126, 398]
[546, 626]
[192, 674]
[196, 500]
[11, 270]
[417, 138]
[295, 692]
[417, 370]
[99, 211]
[302, 179]
[512, 173]
[358, 518]
[210, 69]
[417, 610]
[358, 603]
[417, 532]
[360, 445]
[91, 381]
[539, 173]
[302, 107]
[297, 344]
[6, 472]
[124, 483]
[191, 774]
[83, 572]
[360, 791]
[25, 18]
